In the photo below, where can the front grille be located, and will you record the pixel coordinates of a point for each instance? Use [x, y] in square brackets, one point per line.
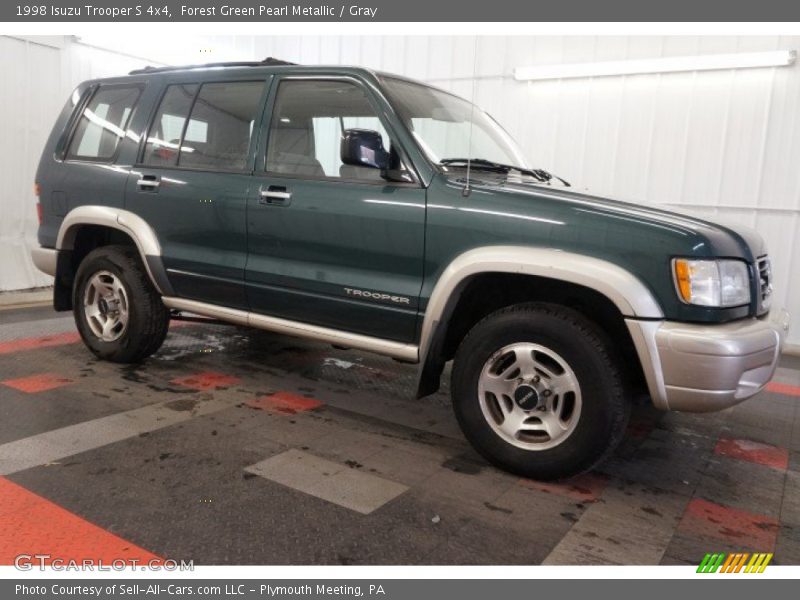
[765, 282]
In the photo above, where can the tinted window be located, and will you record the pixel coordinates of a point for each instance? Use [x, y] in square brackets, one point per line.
[165, 133]
[221, 126]
[306, 129]
[218, 132]
[103, 123]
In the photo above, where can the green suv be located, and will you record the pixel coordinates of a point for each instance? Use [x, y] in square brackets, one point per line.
[373, 212]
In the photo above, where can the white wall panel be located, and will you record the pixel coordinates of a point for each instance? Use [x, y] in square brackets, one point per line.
[724, 143]
[37, 76]
[27, 107]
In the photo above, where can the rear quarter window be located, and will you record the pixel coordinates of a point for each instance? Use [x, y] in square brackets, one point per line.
[103, 123]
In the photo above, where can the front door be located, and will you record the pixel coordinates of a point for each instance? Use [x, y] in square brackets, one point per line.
[193, 181]
[330, 244]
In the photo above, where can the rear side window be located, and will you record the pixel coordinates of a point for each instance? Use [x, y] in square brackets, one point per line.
[103, 123]
[218, 131]
[165, 134]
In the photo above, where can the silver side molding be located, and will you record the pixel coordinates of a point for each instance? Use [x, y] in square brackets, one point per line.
[627, 292]
[398, 350]
[107, 216]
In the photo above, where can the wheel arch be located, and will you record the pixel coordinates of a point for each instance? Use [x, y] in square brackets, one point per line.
[607, 290]
[88, 227]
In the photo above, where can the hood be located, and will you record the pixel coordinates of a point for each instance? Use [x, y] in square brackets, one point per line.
[753, 239]
[682, 219]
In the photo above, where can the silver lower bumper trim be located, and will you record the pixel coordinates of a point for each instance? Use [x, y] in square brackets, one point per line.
[45, 259]
[699, 368]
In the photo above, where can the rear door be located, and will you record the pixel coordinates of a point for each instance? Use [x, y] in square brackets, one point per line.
[330, 244]
[193, 180]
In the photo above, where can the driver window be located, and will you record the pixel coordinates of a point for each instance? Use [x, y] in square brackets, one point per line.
[307, 125]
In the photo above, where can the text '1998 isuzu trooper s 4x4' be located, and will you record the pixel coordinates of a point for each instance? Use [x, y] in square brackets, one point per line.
[373, 212]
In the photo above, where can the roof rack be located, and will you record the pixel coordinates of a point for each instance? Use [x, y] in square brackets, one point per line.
[267, 62]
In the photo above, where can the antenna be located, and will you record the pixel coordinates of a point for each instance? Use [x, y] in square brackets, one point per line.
[466, 191]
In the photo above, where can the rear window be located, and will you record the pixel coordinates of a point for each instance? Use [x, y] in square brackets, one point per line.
[103, 123]
[207, 128]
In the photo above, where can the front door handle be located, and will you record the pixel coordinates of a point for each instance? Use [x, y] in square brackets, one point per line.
[277, 195]
[149, 183]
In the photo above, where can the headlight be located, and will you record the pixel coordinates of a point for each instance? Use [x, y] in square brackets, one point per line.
[712, 282]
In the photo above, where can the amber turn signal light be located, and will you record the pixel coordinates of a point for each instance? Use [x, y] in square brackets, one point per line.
[683, 279]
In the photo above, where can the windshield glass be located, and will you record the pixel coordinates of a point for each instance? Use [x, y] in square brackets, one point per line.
[441, 124]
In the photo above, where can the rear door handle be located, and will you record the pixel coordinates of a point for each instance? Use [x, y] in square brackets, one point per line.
[149, 183]
[277, 195]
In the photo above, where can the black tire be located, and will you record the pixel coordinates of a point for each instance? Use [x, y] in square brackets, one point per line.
[148, 318]
[601, 422]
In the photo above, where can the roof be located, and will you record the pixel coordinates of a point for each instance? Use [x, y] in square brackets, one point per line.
[277, 62]
[267, 62]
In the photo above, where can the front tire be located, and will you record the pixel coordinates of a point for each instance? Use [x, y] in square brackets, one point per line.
[118, 311]
[538, 391]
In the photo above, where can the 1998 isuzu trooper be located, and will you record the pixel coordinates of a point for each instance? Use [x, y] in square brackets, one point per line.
[373, 212]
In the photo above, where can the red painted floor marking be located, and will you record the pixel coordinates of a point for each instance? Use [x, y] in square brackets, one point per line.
[284, 402]
[41, 382]
[207, 380]
[736, 527]
[754, 452]
[59, 339]
[30, 524]
[783, 388]
[583, 488]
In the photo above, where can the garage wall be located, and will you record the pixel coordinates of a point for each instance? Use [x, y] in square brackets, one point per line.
[725, 144]
[27, 106]
[37, 73]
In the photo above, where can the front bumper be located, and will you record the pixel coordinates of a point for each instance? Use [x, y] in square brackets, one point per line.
[700, 368]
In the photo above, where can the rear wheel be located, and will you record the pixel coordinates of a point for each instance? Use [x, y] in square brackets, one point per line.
[537, 391]
[119, 314]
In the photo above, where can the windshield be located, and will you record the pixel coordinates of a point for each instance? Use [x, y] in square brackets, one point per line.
[441, 124]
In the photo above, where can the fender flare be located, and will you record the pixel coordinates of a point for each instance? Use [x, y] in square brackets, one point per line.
[133, 225]
[627, 292]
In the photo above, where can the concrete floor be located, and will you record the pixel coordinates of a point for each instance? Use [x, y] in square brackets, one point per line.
[242, 447]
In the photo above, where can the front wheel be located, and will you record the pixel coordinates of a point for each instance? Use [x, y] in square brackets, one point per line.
[537, 391]
[119, 313]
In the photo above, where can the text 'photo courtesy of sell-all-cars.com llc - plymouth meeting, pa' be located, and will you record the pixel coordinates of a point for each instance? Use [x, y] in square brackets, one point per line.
[376, 213]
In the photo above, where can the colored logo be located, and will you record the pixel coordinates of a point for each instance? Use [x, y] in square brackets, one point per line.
[739, 562]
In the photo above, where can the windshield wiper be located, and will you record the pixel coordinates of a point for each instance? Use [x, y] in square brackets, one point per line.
[488, 165]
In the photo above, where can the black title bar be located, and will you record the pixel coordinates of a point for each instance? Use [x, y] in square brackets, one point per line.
[402, 11]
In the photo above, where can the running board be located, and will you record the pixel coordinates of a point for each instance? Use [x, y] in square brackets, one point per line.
[398, 350]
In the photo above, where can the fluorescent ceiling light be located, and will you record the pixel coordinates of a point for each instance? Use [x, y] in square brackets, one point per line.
[703, 62]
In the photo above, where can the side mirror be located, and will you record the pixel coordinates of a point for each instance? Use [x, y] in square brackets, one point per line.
[363, 148]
